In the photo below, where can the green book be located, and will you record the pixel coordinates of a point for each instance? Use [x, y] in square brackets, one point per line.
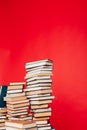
[3, 92]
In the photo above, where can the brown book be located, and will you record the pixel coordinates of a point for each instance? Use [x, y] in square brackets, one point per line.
[14, 98]
[2, 124]
[18, 102]
[18, 114]
[12, 128]
[20, 124]
[49, 90]
[18, 109]
[18, 105]
[17, 83]
[42, 114]
[13, 87]
[40, 102]
[40, 118]
[39, 106]
[3, 110]
[15, 94]
[39, 73]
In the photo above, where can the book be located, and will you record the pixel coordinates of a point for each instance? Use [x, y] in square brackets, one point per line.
[13, 87]
[38, 63]
[39, 73]
[45, 91]
[40, 102]
[39, 106]
[17, 83]
[43, 110]
[14, 98]
[36, 88]
[3, 92]
[43, 67]
[42, 114]
[39, 85]
[38, 78]
[14, 91]
[12, 128]
[20, 124]
[42, 98]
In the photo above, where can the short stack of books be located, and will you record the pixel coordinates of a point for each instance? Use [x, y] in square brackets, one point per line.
[2, 118]
[16, 102]
[20, 125]
[39, 91]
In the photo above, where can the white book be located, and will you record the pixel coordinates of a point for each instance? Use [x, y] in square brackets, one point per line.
[38, 72]
[20, 108]
[23, 118]
[18, 124]
[41, 125]
[40, 81]
[18, 114]
[38, 88]
[39, 103]
[15, 95]
[38, 95]
[43, 110]
[38, 63]
[40, 68]
[14, 91]
[42, 98]
[39, 85]
[38, 78]
[45, 128]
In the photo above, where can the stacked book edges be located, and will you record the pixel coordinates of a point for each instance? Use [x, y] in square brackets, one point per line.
[39, 91]
[17, 103]
[20, 125]
[2, 118]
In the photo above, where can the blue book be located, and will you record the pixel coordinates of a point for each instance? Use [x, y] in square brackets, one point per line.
[3, 92]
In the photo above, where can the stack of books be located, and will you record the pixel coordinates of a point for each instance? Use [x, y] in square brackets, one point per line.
[20, 125]
[2, 118]
[16, 102]
[39, 91]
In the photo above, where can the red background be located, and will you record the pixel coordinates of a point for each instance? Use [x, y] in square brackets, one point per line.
[33, 30]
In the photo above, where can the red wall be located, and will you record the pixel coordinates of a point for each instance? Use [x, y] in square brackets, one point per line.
[33, 30]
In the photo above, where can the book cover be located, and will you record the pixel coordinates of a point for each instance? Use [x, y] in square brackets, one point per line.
[3, 92]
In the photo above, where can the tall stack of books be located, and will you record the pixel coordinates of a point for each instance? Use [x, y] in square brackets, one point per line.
[20, 125]
[39, 91]
[16, 102]
[2, 118]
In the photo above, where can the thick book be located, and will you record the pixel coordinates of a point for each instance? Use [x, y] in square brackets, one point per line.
[38, 63]
[20, 124]
[3, 92]
[14, 98]
[38, 73]
[45, 91]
